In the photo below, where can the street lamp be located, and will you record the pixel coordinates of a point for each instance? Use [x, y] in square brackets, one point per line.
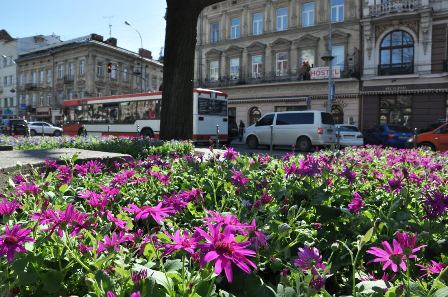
[141, 57]
[328, 57]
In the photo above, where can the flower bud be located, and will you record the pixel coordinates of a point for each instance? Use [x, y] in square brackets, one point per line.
[283, 228]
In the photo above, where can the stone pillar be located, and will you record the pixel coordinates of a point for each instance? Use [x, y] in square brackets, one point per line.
[268, 60]
[293, 13]
[223, 26]
[245, 21]
[244, 65]
[223, 65]
[268, 17]
[293, 60]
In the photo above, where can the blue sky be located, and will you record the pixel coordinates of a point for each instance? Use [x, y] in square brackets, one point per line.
[74, 18]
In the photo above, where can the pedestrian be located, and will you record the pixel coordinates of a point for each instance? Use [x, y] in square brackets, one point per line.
[241, 130]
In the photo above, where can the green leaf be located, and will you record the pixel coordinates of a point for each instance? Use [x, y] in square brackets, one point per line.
[366, 238]
[149, 252]
[443, 292]
[63, 188]
[159, 277]
[173, 265]
[371, 288]
[285, 291]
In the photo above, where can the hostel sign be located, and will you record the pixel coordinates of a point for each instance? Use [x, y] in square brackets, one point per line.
[322, 72]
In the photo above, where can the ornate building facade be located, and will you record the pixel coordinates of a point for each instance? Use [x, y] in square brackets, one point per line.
[267, 55]
[405, 77]
[78, 68]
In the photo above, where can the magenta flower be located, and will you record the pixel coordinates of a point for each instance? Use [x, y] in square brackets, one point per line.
[407, 242]
[135, 294]
[27, 188]
[110, 294]
[238, 178]
[433, 268]
[164, 179]
[349, 175]
[222, 248]
[356, 204]
[158, 213]
[181, 241]
[13, 241]
[230, 154]
[390, 256]
[8, 207]
[138, 276]
[435, 204]
[309, 258]
[65, 174]
[394, 185]
[113, 242]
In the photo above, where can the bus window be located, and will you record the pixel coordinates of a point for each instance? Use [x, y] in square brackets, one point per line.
[148, 110]
[127, 112]
[212, 107]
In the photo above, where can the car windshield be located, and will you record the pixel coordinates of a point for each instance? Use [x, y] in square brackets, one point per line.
[397, 128]
[327, 118]
[348, 129]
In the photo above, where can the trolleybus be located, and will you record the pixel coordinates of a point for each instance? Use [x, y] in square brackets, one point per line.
[139, 115]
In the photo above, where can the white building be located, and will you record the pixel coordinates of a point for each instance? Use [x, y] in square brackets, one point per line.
[10, 49]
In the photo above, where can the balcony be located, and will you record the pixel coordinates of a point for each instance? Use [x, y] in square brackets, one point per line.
[268, 78]
[396, 69]
[395, 6]
[68, 79]
[30, 86]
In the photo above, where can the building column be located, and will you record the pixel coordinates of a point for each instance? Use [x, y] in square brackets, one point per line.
[223, 65]
[293, 10]
[268, 11]
[268, 60]
[244, 64]
[245, 20]
[294, 60]
[224, 26]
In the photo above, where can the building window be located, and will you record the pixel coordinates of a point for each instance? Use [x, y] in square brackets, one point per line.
[234, 68]
[60, 71]
[5, 81]
[337, 11]
[235, 25]
[49, 75]
[34, 77]
[281, 64]
[257, 23]
[214, 70]
[307, 56]
[154, 82]
[125, 74]
[113, 72]
[42, 76]
[10, 80]
[214, 32]
[308, 13]
[22, 78]
[338, 53]
[257, 66]
[82, 66]
[282, 18]
[396, 110]
[396, 54]
[70, 71]
[99, 69]
[254, 115]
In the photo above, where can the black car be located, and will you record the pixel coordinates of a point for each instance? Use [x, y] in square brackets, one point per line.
[16, 127]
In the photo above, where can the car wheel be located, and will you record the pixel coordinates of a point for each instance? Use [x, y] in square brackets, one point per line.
[303, 144]
[33, 133]
[427, 145]
[252, 142]
[57, 133]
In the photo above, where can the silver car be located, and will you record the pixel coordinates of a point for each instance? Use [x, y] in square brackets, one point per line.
[349, 135]
[44, 128]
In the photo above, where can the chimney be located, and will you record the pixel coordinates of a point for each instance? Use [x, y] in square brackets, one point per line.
[145, 53]
[111, 41]
[96, 37]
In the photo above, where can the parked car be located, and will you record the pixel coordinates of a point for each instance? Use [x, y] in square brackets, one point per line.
[388, 135]
[16, 127]
[349, 135]
[303, 129]
[436, 139]
[39, 128]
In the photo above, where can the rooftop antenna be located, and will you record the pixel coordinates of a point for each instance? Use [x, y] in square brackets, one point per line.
[109, 17]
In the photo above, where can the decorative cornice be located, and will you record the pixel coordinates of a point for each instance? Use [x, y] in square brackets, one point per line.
[405, 92]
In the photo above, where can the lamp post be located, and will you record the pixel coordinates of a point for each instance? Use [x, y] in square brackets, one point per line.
[328, 57]
[141, 57]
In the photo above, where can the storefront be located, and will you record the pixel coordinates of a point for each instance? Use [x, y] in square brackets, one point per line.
[410, 105]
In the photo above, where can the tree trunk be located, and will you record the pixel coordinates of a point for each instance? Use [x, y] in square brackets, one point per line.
[178, 73]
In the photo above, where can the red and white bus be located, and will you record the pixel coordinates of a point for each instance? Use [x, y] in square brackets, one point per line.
[139, 115]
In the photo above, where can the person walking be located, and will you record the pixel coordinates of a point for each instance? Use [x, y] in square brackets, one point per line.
[241, 130]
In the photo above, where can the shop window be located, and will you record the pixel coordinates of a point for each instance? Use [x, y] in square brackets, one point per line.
[338, 114]
[396, 110]
[254, 115]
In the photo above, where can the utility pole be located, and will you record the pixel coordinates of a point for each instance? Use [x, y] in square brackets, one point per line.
[329, 59]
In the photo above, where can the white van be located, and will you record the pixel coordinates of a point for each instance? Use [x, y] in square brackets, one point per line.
[303, 129]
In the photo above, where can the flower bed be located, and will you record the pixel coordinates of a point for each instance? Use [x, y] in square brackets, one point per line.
[370, 222]
[136, 147]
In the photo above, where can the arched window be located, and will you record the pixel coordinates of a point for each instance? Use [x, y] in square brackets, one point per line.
[338, 114]
[254, 115]
[396, 54]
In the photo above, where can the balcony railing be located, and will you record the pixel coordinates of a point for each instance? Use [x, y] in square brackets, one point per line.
[30, 86]
[396, 69]
[394, 6]
[266, 78]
